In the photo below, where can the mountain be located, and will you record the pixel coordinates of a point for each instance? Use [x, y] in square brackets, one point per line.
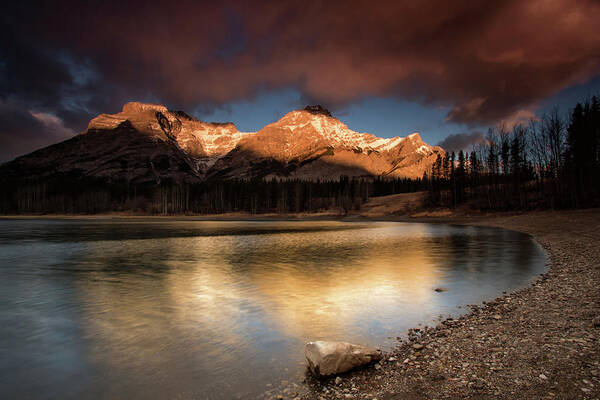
[149, 143]
[311, 144]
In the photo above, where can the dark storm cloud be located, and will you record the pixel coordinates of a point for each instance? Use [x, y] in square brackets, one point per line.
[45, 95]
[461, 141]
[487, 61]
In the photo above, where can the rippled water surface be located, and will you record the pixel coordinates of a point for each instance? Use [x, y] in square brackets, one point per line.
[197, 309]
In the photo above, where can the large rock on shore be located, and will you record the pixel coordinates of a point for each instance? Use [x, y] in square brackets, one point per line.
[331, 358]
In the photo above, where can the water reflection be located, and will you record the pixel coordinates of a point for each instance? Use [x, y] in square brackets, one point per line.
[107, 309]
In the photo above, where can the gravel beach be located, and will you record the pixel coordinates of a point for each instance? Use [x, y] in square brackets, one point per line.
[541, 342]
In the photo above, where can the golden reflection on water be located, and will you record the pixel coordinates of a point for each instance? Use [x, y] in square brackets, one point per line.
[191, 315]
[314, 305]
[304, 296]
[215, 296]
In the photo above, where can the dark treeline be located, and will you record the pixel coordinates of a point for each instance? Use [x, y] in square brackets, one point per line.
[553, 162]
[71, 195]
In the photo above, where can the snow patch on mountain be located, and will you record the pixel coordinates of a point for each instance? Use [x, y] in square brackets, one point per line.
[424, 149]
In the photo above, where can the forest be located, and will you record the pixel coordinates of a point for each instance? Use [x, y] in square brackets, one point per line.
[70, 195]
[551, 162]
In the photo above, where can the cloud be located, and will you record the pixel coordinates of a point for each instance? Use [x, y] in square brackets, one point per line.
[461, 141]
[24, 131]
[484, 62]
[517, 118]
[53, 125]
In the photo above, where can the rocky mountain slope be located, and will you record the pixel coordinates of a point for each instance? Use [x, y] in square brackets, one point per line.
[149, 143]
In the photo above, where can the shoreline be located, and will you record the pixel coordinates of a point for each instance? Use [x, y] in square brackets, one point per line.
[323, 216]
[538, 342]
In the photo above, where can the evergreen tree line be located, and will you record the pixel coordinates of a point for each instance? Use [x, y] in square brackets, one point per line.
[553, 162]
[70, 195]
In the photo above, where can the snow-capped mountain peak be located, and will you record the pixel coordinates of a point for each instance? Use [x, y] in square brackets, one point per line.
[149, 141]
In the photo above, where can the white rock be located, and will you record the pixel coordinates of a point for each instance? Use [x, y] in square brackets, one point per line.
[330, 358]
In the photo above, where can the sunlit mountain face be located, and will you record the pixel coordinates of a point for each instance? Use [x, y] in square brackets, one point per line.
[150, 143]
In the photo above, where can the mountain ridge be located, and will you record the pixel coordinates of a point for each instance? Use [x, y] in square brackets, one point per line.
[150, 143]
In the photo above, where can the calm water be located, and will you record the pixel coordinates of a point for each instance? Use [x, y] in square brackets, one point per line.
[188, 309]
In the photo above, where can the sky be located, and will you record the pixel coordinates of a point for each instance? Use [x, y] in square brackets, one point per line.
[449, 70]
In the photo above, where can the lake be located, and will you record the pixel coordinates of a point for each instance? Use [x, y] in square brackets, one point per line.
[168, 308]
